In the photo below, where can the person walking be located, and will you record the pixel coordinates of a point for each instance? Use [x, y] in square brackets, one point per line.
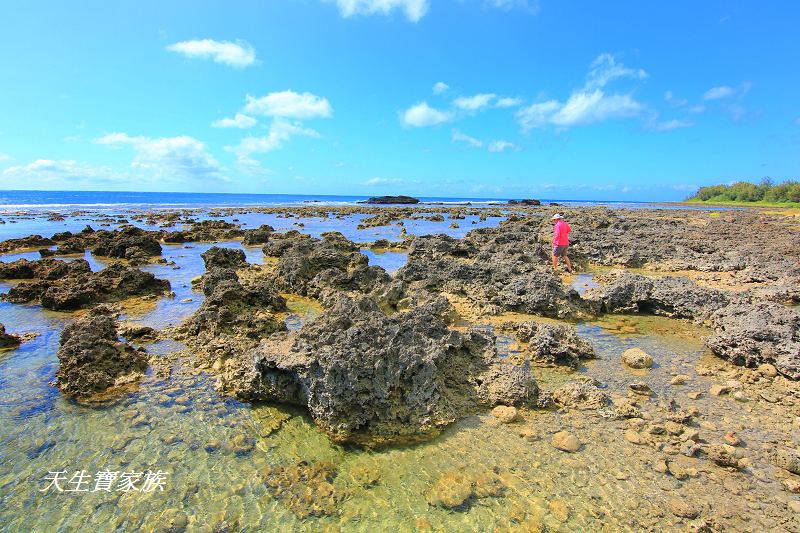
[561, 232]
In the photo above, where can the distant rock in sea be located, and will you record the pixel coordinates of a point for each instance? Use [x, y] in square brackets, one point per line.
[401, 199]
[526, 201]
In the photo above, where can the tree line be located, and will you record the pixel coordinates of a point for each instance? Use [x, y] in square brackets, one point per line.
[745, 191]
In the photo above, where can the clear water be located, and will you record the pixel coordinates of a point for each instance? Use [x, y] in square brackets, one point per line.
[181, 426]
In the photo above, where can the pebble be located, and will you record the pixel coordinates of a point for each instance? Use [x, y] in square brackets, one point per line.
[792, 485]
[732, 439]
[505, 413]
[719, 390]
[694, 395]
[768, 370]
[566, 442]
[682, 508]
[640, 387]
[679, 380]
[559, 510]
[633, 436]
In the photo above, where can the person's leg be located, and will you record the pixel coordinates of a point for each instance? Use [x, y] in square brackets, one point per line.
[569, 265]
[555, 262]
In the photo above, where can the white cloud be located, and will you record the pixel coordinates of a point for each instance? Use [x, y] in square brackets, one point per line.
[289, 104]
[531, 6]
[502, 146]
[580, 109]
[4, 157]
[715, 93]
[605, 69]
[381, 181]
[670, 98]
[168, 157]
[439, 87]
[671, 125]
[43, 172]
[462, 137]
[239, 54]
[474, 103]
[280, 132]
[589, 104]
[422, 115]
[414, 9]
[695, 109]
[240, 121]
[587, 108]
[506, 101]
[537, 115]
[377, 180]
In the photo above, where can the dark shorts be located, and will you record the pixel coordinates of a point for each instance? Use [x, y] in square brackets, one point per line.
[560, 251]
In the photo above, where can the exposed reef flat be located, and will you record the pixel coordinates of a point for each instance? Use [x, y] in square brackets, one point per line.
[472, 338]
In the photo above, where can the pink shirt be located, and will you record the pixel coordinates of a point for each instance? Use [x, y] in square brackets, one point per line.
[562, 230]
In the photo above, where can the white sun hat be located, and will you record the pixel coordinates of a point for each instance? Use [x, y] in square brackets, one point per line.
[557, 216]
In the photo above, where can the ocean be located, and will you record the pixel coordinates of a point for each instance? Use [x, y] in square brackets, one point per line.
[99, 200]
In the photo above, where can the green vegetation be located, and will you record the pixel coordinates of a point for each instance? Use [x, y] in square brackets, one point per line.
[744, 192]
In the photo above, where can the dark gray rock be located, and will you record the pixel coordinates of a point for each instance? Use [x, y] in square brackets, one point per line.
[752, 334]
[93, 362]
[370, 378]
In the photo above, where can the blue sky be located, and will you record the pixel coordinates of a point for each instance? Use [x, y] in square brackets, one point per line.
[472, 98]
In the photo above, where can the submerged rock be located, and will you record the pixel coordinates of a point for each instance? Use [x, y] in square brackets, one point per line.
[456, 489]
[566, 442]
[92, 359]
[370, 378]
[752, 335]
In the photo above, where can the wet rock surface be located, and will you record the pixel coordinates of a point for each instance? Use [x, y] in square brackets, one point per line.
[309, 266]
[61, 285]
[370, 378]
[8, 340]
[93, 361]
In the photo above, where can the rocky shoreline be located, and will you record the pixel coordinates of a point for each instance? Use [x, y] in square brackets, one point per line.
[395, 359]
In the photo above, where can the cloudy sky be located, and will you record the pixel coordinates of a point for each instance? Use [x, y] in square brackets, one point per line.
[469, 98]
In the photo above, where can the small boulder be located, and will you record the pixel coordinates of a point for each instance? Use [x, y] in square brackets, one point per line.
[566, 442]
[505, 413]
[637, 358]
